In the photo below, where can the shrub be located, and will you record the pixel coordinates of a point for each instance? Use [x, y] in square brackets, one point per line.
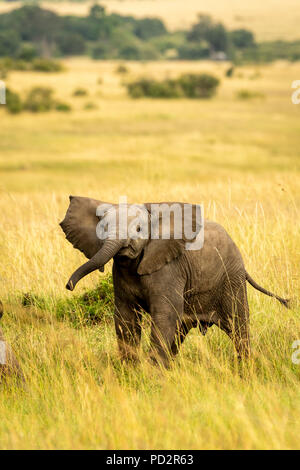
[199, 86]
[29, 299]
[39, 99]
[22, 65]
[191, 51]
[248, 95]
[24, 62]
[80, 92]
[27, 53]
[90, 308]
[229, 72]
[130, 52]
[188, 85]
[122, 69]
[154, 89]
[13, 102]
[46, 65]
[62, 107]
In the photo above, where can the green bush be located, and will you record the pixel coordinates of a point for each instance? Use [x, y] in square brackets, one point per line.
[13, 102]
[62, 107]
[269, 51]
[8, 64]
[80, 92]
[230, 72]
[26, 63]
[29, 299]
[39, 99]
[122, 69]
[27, 53]
[248, 95]
[21, 65]
[188, 85]
[191, 51]
[46, 65]
[154, 89]
[90, 308]
[199, 86]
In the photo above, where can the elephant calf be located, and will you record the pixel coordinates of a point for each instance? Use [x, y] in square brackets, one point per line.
[180, 289]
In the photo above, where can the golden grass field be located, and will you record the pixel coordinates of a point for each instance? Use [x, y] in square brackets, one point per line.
[269, 20]
[241, 159]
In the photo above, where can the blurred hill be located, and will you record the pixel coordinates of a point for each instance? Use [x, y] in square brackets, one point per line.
[269, 20]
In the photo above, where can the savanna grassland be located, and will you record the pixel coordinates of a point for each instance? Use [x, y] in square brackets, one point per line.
[240, 158]
[269, 20]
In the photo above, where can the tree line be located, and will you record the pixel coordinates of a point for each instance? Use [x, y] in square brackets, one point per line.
[31, 31]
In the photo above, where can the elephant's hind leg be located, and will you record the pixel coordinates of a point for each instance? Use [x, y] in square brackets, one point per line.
[235, 317]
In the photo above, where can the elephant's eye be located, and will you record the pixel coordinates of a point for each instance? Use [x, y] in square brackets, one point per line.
[138, 229]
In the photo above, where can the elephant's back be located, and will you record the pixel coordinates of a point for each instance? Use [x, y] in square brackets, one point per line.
[218, 258]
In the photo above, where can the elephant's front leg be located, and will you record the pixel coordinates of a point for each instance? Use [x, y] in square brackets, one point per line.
[181, 334]
[128, 330]
[166, 314]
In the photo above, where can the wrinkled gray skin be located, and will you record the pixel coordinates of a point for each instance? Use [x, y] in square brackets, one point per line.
[11, 366]
[180, 289]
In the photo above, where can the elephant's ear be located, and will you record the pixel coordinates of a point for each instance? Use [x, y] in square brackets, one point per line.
[159, 252]
[79, 225]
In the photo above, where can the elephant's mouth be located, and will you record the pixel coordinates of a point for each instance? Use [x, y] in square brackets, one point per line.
[127, 251]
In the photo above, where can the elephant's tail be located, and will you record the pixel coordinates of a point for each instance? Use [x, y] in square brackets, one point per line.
[251, 281]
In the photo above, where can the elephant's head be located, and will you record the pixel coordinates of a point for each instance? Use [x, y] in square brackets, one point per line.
[104, 231]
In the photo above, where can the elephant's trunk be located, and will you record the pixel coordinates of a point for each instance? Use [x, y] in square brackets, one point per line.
[109, 249]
